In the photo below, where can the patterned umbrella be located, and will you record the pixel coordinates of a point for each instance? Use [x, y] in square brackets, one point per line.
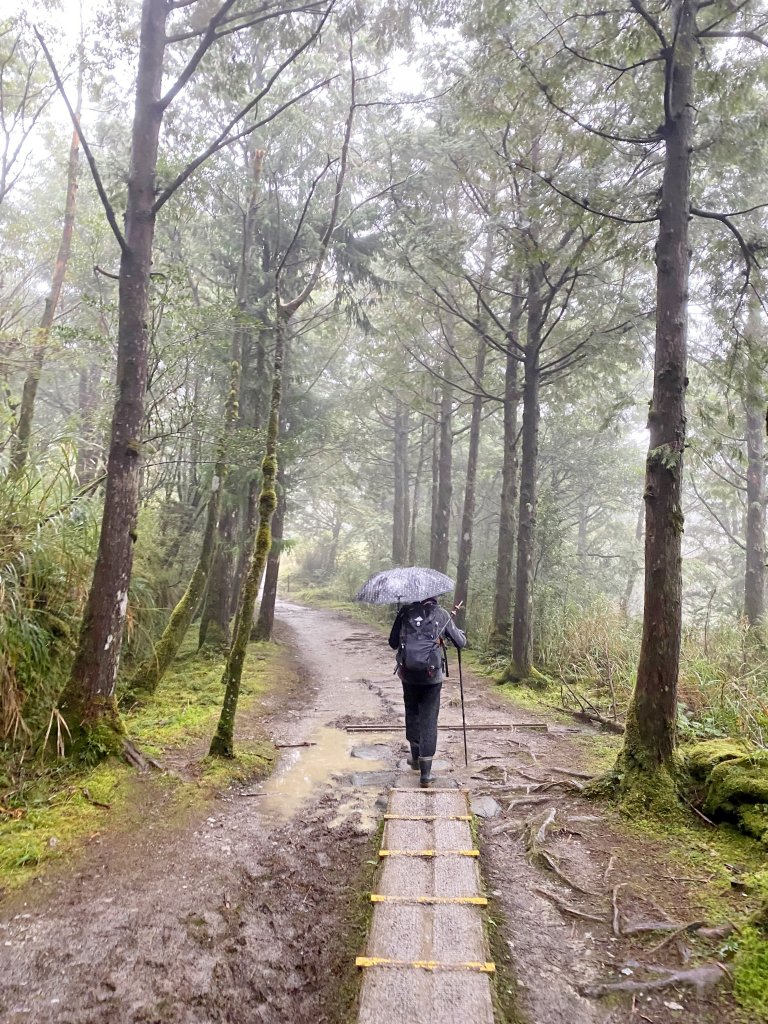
[404, 586]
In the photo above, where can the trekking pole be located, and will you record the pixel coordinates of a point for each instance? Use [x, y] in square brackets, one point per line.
[463, 719]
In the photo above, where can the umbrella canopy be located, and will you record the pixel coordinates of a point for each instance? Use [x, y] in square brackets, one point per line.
[404, 586]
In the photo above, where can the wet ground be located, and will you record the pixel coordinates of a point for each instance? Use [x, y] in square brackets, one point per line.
[250, 910]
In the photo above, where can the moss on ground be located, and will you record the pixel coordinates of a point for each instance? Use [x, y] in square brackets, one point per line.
[57, 807]
[355, 928]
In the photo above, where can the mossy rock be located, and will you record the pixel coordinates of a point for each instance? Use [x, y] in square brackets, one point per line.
[753, 819]
[741, 780]
[701, 758]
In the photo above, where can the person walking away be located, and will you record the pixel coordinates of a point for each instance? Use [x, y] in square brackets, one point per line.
[418, 635]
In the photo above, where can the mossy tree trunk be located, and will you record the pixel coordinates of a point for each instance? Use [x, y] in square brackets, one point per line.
[650, 735]
[754, 411]
[20, 449]
[214, 630]
[266, 620]
[148, 675]
[222, 744]
[501, 625]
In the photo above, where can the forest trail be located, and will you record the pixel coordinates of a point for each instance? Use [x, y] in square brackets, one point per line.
[252, 910]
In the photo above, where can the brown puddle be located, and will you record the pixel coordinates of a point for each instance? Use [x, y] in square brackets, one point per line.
[301, 770]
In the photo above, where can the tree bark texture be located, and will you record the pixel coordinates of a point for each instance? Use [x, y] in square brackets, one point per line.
[42, 335]
[266, 620]
[401, 514]
[417, 494]
[650, 736]
[222, 744]
[442, 524]
[148, 675]
[501, 624]
[522, 626]
[468, 512]
[754, 410]
[221, 593]
[89, 694]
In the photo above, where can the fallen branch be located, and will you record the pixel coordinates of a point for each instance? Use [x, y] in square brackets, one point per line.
[699, 978]
[566, 908]
[288, 746]
[692, 927]
[592, 718]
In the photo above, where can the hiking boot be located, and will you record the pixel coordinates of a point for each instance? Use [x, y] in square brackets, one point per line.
[413, 760]
[427, 778]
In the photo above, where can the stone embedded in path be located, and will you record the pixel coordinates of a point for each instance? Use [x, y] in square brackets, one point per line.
[485, 806]
[378, 779]
[372, 752]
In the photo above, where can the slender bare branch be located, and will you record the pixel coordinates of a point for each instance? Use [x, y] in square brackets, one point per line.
[108, 208]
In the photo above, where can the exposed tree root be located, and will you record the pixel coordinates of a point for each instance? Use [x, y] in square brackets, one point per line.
[699, 978]
[566, 908]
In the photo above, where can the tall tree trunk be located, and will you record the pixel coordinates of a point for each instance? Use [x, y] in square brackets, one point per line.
[87, 452]
[266, 620]
[213, 632]
[754, 410]
[417, 493]
[435, 484]
[401, 516]
[501, 625]
[29, 393]
[440, 537]
[650, 736]
[522, 627]
[88, 698]
[468, 512]
[147, 676]
[222, 744]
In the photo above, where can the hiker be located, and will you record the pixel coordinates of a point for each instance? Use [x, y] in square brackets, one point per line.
[418, 635]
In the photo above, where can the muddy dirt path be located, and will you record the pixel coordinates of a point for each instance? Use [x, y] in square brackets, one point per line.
[249, 910]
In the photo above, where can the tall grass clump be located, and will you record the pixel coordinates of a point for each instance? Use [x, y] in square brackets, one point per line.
[48, 535]
[591, 654]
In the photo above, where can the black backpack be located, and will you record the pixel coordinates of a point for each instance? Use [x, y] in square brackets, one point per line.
[420, 653]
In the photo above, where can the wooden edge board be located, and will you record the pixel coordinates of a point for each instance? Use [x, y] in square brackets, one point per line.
[486, 967]
[474, 901]
[504, 727]
[429, 853]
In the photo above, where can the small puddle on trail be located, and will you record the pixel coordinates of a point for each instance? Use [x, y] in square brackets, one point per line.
[304, 768]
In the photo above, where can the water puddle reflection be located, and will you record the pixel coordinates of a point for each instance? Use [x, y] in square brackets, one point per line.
[304, 768]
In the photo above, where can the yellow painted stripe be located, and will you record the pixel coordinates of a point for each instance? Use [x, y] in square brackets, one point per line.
[429, 853]
[477, 901]
[487, 967]
[427, 817]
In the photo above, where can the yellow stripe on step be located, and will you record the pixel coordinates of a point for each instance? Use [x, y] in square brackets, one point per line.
[429, 853]
[476, 901]
[487, 967]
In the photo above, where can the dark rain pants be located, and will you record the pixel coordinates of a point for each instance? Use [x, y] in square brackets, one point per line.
[422, 706]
